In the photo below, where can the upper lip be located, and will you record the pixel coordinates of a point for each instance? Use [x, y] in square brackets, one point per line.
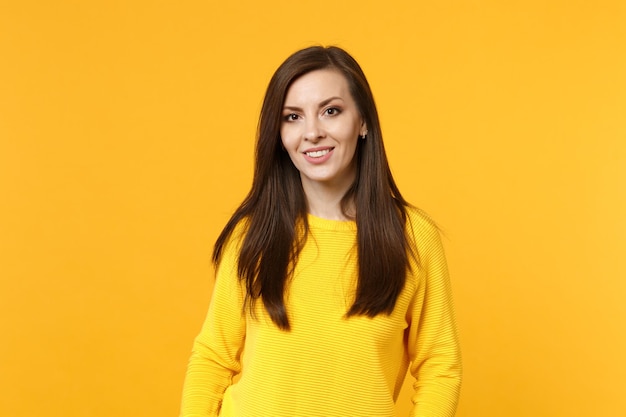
[319, 148]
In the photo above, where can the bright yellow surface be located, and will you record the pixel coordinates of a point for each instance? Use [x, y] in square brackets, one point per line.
[126, 140]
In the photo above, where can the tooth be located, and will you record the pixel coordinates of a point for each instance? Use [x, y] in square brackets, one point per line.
[317, 154]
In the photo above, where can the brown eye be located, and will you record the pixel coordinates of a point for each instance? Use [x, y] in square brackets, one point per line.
[291, 117]
[333, 111]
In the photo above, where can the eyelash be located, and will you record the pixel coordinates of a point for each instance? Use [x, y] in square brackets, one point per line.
[334, 111]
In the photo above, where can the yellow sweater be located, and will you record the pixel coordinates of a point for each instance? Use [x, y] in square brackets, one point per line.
[328, 365]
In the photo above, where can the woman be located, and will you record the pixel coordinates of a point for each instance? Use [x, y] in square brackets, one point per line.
[329, 285]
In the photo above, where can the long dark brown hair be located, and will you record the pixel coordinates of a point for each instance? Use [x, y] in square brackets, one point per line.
[276, 204]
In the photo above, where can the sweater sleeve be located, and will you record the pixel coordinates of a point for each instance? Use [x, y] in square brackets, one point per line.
[432, 336]
[215, 357]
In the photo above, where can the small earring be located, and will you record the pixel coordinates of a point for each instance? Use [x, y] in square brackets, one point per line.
[364, 135]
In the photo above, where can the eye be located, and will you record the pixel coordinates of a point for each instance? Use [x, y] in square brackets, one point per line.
[291, 117]
[332, 111]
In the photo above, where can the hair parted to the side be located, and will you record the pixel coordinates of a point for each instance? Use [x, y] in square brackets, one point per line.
[276, 203]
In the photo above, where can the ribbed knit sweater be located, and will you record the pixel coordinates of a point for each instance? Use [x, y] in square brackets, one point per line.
[327, 364]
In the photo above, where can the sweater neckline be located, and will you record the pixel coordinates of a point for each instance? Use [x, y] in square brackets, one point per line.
[327, 224]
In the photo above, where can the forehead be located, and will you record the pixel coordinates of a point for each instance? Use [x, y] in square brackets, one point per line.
[317, 86]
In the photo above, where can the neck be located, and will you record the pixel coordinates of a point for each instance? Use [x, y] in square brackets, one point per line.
[325, 202]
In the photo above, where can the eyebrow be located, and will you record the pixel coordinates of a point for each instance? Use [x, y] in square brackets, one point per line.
[322, 103]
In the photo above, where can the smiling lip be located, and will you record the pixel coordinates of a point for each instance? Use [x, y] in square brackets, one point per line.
[318, 155]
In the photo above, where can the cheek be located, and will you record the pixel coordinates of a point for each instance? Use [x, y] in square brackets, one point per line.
[345, 132]
[289, 142]
[286, 137]
[351, 141]
[349, 138]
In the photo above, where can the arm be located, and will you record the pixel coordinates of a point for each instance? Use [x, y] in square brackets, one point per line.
[432, 336]
[215, 357]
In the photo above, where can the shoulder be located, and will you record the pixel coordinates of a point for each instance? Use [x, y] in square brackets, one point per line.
[424, 237]
[233, 242]
[420, 226]
[239, 231]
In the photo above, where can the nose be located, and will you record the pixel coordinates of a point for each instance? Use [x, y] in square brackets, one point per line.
[313, 129]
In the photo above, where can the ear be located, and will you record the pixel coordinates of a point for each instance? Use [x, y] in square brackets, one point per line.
[363, 129]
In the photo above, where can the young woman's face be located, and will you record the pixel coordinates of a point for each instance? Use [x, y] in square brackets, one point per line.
[320, 129]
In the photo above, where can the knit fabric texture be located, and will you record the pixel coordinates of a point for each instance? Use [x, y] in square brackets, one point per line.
[328, 365]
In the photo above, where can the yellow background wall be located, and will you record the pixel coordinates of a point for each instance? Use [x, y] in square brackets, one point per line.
[126, 140]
